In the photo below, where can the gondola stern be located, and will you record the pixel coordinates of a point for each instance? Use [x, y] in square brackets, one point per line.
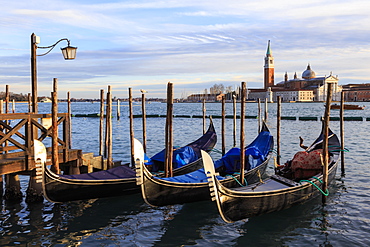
[40, 157]
[138, 151]
[213, 184]
[139, 172]
[142, 174]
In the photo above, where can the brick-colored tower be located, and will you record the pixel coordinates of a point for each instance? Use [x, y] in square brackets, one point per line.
[269, 68]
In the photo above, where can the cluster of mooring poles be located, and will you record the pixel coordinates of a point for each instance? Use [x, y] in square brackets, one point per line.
[34, 191]
[169, 129]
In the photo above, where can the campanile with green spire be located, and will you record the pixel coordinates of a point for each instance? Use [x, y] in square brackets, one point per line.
[269, 71]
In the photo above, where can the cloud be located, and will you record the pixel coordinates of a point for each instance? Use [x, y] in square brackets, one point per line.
[193, 43]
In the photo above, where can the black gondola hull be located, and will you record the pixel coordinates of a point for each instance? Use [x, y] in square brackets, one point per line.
[237, 206]
[159, 192]
[58, 188]
[273, 194]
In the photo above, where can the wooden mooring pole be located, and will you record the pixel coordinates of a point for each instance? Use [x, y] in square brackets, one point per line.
[278, 118]
[1, 129]
[101, 126]
[242, 134]
[131, 115]
[223, 126]
[325, 141]
[118, 110]
[7, 96]
[234, 120]
[259, 114]
[109, 129]
[69, 120]
[143, 112]
[34, 191]
[1, 187]
[342, 133]
[204, 115]
[266, 110]
[12, 187]
[169, 137]
[29, 103]
[12, 182]
[54, 116]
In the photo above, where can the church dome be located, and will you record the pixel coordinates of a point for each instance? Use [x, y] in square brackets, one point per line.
[308, 73]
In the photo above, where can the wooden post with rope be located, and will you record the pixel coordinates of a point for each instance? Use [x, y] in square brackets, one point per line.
[325, 141]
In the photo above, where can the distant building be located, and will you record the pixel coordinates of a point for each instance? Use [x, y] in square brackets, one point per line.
[307, 88]
[300, 95]
[206, 97]
[309, 81]
[357, 92]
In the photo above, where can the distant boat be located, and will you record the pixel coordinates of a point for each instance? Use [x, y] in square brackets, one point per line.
[45, 100]
[347, 107]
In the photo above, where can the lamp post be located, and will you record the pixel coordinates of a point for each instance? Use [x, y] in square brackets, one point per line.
[68, 52]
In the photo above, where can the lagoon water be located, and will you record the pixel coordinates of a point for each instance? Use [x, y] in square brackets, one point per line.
[128, 221]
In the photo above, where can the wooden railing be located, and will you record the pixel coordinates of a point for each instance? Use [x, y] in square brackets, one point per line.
[20, 129]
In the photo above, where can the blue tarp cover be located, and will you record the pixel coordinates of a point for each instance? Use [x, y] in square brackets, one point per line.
[255, 153]
[181, 156]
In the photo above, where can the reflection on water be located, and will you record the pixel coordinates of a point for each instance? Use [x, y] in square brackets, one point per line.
[128, 221]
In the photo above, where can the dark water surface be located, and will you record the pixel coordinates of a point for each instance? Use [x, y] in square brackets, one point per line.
[128, 221]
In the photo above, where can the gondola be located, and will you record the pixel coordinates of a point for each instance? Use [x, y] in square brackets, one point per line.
[121, 180]
[193, 186]
[277, 192]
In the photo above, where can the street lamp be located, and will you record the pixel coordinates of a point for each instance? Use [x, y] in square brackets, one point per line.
[68, 52]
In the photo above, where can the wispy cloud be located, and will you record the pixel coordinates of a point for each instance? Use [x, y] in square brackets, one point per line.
[192, 43]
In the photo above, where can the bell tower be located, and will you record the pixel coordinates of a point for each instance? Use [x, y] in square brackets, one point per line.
[269, 68]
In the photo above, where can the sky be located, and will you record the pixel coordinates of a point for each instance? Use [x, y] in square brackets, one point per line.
[143, 44]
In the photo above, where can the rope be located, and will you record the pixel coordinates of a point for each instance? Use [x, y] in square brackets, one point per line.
[216, 150]
[260, 177]
[273, 151]
[245, 180]
[317, 187]
[339, 150]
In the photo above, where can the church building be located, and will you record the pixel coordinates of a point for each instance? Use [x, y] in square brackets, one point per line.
[308, 88]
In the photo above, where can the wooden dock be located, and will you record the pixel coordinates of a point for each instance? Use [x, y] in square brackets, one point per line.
[17, 162]
[17, 134]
